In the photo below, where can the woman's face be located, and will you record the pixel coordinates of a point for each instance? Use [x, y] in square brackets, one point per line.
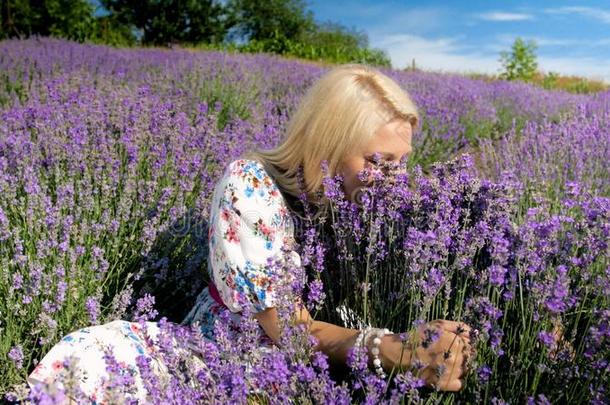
[392, 141]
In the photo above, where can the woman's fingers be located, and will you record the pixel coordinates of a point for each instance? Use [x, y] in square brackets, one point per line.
[465, 364]
[451, 379]
[450, 385]
[459, 328]
[446, 353]
[444, 341]
[454, 372]
[456, 328]
[455, 385]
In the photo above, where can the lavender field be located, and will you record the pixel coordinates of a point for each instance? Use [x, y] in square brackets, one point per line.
[108, 159]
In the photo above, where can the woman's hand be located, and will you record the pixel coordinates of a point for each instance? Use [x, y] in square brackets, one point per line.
[437, 351]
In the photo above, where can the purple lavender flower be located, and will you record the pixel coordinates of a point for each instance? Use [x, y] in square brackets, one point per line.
[145, 308]
[16, 356]
[92, 307]
[546, 338]
[484, 372]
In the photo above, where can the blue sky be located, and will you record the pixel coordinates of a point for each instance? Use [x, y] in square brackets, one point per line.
[573, 37]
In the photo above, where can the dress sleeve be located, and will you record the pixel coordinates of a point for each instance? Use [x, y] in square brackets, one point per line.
[249, 222]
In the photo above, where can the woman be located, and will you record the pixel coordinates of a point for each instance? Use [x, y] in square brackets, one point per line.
[349, 114]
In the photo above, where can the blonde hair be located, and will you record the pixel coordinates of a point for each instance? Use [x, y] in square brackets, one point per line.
[342, 110]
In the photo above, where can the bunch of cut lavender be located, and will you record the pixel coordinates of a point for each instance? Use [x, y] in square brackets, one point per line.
[414, 247]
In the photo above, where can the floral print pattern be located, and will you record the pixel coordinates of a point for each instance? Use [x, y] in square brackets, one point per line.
[249, 223]
[87, 346]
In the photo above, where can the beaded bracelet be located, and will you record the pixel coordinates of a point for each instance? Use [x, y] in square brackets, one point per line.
[379, 333]
[361, 335]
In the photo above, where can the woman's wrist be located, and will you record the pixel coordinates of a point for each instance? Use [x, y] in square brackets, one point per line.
[393, 353]
[390, 351]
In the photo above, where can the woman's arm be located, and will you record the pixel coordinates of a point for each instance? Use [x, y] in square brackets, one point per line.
[449, 350]
[336, 341]
[333, 340]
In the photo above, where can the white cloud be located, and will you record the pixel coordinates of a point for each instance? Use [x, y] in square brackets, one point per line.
[595, 13]
[440, 54]
[505, 16]
[447, 54]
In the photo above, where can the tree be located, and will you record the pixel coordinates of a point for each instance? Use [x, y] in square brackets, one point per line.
[520, 63]
[111, 32]
[333, 41]
[164, 22]
[332, 34]
[277, 20]
[72, 19]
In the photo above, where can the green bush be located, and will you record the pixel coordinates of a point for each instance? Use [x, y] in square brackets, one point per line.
[550, 80]
[337, 47]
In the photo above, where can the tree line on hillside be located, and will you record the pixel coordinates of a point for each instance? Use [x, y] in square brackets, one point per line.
[277, 26]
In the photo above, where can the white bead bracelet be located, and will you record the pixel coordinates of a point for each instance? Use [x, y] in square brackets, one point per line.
[378, 334]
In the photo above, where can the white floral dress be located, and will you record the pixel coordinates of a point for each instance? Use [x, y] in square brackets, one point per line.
[249, 222]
